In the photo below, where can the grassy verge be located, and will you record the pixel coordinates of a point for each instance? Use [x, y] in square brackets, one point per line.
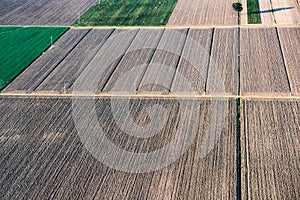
[128, 13]
[19, 46]
[253, 12]
[239, 149]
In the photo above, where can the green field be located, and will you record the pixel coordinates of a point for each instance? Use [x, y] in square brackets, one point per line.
[128, 13]
[19, 46]
[253, 12]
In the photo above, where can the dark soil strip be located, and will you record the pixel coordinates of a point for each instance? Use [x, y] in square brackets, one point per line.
[208, 64]
[238, 150]
[271, 3]
[239, 60]
[238, 120]
[283, 59]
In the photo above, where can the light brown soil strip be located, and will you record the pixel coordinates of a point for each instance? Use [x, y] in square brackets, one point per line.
[266, 12]
[206, 12]
[133, 65]
[224, 61]
[286, 12]
[66, 60]
[197, 50]
[262, 67]
[271, 147]
[98, 71]
[160, 73]
[290, 42]
[243, 15]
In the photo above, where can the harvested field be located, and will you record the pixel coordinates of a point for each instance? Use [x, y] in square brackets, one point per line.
[290, 42]
[20, 46]
[68, 70]
[279, 12]
[285, 12]
[192, 67]
[266, 14]
[135, 63]
[43, 12]
[136, 66]
[42, 154]
[262, 65]
[191, 13]
[271, 150]
[160, 73]
[105, 62]
[224, 61]
[244, 13]
[136, 60]
[170, 60]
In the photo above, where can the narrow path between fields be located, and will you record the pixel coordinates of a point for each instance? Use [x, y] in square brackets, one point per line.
[149, 95]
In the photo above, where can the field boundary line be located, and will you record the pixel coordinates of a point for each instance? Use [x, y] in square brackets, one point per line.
[209, 59]
[42, 26]
[192, 26]
[239, 61]
[167, 27]
[149, 95]
[238, 105]
[171, 15]
[245, 153]
[273, 14]
[283, 60]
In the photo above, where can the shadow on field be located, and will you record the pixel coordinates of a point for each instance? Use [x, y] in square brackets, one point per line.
[271, 10]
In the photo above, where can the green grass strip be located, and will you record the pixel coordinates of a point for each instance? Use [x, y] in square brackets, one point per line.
[253, 12]
[19, 46]
[128, 13]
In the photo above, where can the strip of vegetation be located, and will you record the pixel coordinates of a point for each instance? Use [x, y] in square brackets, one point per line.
[239, 150]
[128, 13]
[253, 12]
[19, 46]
